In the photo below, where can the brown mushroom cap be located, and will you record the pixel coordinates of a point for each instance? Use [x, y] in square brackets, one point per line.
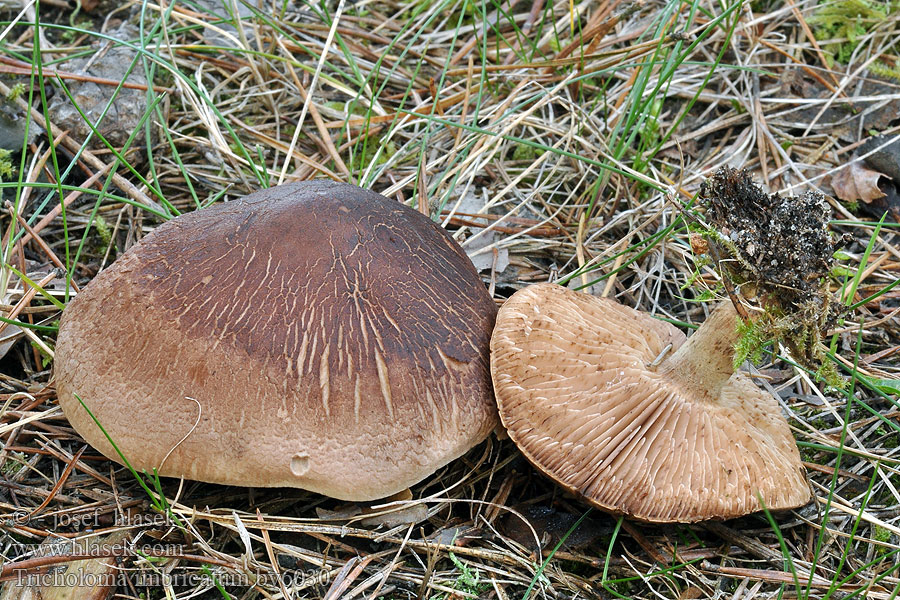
[685, 441]
[312, 335]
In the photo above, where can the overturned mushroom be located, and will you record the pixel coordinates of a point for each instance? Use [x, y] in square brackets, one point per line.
[311, 335]
[618, 408]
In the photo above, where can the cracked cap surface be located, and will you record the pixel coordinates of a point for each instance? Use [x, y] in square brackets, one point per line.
[312, 335]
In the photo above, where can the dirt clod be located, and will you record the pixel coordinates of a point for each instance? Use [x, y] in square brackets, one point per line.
[778, 251]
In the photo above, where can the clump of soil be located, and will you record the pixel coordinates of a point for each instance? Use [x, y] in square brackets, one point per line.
[778, 252]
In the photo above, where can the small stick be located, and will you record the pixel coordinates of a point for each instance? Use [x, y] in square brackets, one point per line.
[39, 241]
[57, 209]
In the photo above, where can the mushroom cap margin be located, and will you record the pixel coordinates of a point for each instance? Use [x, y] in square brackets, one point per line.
[208, 351]
[575, 394]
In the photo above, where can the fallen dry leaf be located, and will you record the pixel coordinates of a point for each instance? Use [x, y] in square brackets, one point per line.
[854, 182]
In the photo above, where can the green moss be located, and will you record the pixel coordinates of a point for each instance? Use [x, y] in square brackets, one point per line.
[839, 271]
[883, 535]
[847, 22]
[699, 262]
[103, 230]
[882, 69]
[751, 342]
[353, 107]
[623, 588]
[523, 152]
[467, 581]
[46, 359]
[15, 91]
[363, 159]
[7, 170]
[828, 373]
[705, 296]
[12, 464]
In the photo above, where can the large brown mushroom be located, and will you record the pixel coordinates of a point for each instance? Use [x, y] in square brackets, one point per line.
[312, 335]
[618, 408]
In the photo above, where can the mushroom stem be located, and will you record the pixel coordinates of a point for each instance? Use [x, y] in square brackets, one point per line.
[706, 360]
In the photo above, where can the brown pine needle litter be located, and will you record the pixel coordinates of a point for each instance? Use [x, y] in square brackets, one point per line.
[557, 140]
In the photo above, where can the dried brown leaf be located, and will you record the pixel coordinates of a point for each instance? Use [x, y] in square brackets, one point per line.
[855, 182]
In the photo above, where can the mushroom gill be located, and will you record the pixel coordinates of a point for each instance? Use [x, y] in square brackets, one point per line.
[585, 397]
